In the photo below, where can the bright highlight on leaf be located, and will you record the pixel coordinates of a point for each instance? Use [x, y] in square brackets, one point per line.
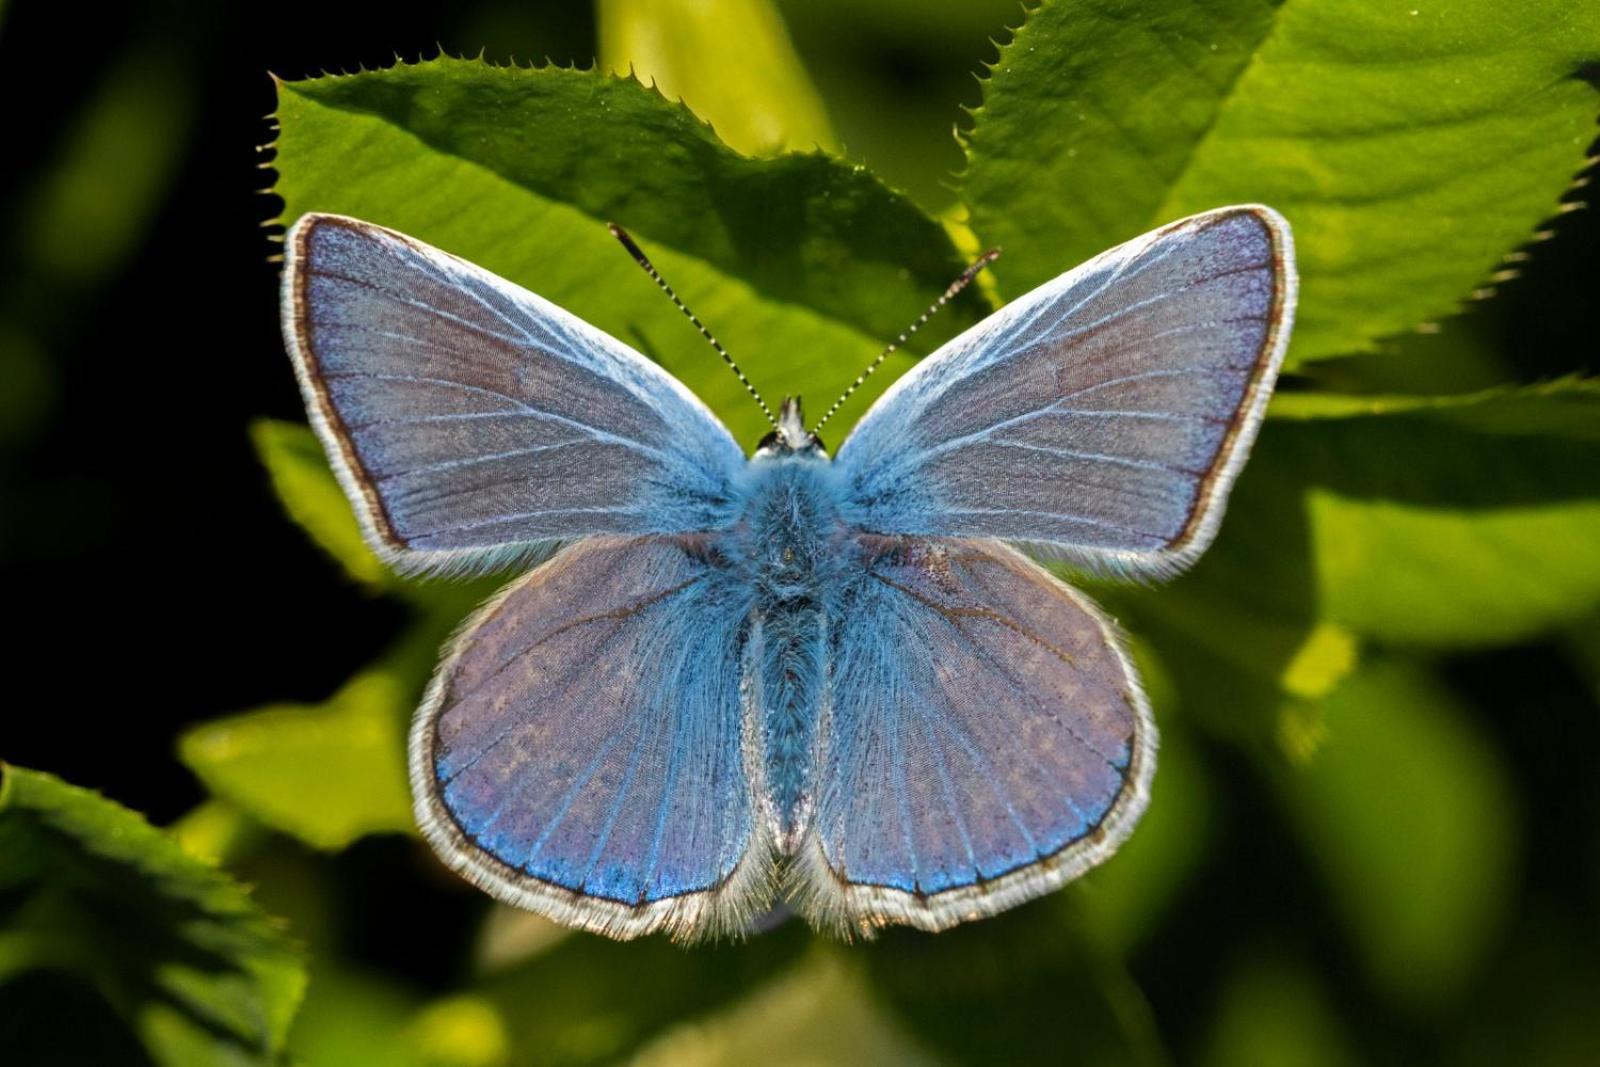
[1412, 146]
[730, 61]
[326, 773]
[1482, 535]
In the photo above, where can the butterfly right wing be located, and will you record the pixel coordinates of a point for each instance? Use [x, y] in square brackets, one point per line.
[1102, 417]
[469, 420]
[579, 752]
[984, 739]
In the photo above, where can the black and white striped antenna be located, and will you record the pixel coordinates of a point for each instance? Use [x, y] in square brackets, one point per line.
[649, 268]
[949, 294]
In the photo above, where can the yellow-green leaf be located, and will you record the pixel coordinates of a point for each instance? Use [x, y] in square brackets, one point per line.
[1412, 146]
[730, 61]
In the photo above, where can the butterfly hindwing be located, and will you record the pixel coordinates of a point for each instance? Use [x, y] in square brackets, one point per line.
[984, 739]
[1102, 416]
[470, 420]
[579, 752]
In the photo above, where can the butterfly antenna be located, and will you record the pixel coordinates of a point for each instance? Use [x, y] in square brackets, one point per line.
[649, 268]
[948, 295]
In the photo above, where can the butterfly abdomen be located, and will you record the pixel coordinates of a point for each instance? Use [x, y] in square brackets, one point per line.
[790, 539]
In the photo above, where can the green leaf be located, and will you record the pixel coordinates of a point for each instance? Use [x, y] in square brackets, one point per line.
[354, 1020]
[821, 1011]
[180, 950]
[1483, 534]
[1124, 900]
[119, 155]
[730, 61]
[587, 1000]
[977, 993]
[327, 773]
[1274, 1011]
[1409, 815]
[310, 494]
[1412, 146]
[803, 265]
[1475, 539]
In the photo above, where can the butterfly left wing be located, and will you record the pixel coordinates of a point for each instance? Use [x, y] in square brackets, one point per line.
[579, 751]
[984, 739]
[470, 420]
[1103, 416]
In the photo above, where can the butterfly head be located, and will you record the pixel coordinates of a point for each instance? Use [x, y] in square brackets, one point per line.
[790, 436]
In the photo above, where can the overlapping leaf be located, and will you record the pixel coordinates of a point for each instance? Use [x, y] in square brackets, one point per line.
[803, 265]
[1412, 146]
[90, 888]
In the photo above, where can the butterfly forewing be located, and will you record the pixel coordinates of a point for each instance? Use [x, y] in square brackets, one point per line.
[1103, 415]
[984, 740]
[580, 750]
[468, 418]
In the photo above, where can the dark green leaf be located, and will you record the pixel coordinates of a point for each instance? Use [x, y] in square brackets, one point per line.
[90, 888]
[587, 1000]
[1274, 1011]
[803, 265]
[978, 993]
[1408, 813]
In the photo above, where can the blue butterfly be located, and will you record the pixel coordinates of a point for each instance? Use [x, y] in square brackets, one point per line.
[835, 683]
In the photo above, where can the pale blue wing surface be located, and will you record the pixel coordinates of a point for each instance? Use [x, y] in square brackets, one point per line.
[985, 739]
[468, 418]
[579, 751]
[1103, 415]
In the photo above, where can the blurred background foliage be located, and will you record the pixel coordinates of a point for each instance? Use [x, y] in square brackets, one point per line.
[1375, 831]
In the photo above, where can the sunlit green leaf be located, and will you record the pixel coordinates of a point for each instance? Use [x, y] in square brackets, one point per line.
[90, 888]
[1454, 521]
[1447, 522]
[216, 831]
[731, 61]
[803, 265]
[356, 1019]
[1412, 146]
[327, 773]
[1408, 813]
[303, 482]
[305, 485]
[461, 1031]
